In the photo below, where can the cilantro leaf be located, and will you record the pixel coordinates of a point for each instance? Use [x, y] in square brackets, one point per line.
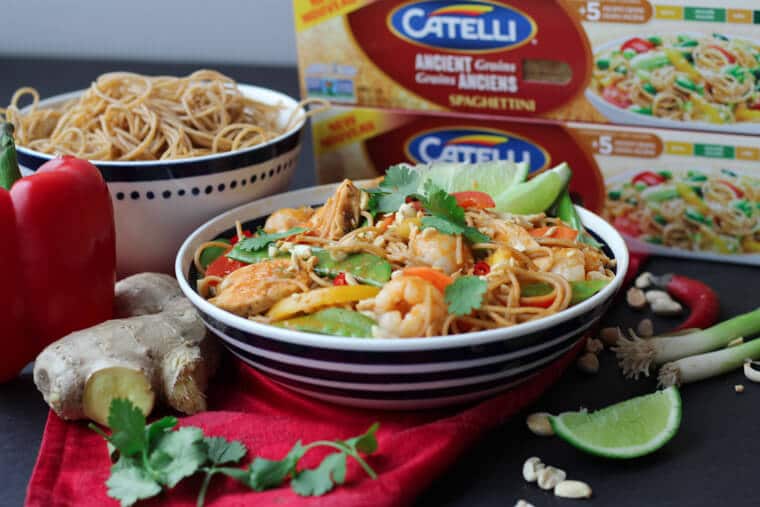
[320, 480]
[222, 451]
[440, 203]
[399, 183]
[262, 239]
[475, 236]
[186, 452]
[441, 225]
[127, 423]
[465, 294]
[265, 474]
[129, 482]
[366, 443]
[158, 428]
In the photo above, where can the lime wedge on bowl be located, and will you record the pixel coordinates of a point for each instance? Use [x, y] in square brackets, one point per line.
[535, 195]
[628, 429]
[493, 177]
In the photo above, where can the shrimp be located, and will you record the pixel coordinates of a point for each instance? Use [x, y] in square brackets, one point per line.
[515, 236]
[441, 251]
[569, 263]
[407, 307]
[287, 218]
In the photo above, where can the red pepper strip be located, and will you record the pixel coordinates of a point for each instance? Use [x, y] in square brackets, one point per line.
[729, 56]
[738, 192]
[637, 44]
[66, 255]
[649, 178]
[340, 279]
[701, 299]
[223, 266]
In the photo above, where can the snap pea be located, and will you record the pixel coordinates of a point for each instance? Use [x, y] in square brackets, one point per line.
[565, 210]
[696, 176]
[629, 53]
[581, 290]
[744, 206]
[238, 254]
[657, 41]
[614, 195]
[660, 194]
[695, 216]
[332, 321]
[686, 83]
[211, 253]
[9, 171]
[686, 40]
[660, 219]
[650, 89]
[650, 61]
[365, 267]
[666, 174]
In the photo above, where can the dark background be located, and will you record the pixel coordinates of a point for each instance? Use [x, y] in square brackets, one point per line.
[709, 462]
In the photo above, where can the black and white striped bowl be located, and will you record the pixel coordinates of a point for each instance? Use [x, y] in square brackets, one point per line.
[158, 203]
[394, 374]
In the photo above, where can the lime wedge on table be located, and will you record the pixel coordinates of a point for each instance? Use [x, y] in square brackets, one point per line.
[535, 195]
[627, 429]
[493, 177]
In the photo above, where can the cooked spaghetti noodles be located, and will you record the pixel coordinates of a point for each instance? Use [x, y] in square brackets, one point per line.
[528, 270]
[713, 79]
[125, 116]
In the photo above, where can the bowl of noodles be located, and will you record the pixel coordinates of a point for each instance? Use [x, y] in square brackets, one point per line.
[711, 82]
[174, 151]
[383, 312]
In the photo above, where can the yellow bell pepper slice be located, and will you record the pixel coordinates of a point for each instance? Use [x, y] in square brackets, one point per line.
[404, 229]
[682, 64]
[691, 197]
[750, 245]
[309, 302]
[708, 111]
[743, 113]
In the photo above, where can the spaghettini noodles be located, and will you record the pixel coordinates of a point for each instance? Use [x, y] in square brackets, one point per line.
[522, 253]
[689, 210]
[125, 116]
[683, 77]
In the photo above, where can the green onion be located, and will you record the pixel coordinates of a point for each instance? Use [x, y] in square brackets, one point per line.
[736, 71]
[635, 355]
[629, 53]
[666, 174]
[696, 216]
[744, 206]
[614, 195]
[621, 69]
[686, 83]
[650, 61]
[720, 36]
[650, 89]
[657, 41]
[603, 64]
[702, 366]
[640, 186]
[641, 110]
[729, 172]
[687, 41]
[660, 219]
[696, 176]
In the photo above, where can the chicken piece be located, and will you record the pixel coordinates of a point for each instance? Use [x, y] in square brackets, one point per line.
[516, 237]
[287, 218]
[340, 214]
[254, 289]
[569, 263]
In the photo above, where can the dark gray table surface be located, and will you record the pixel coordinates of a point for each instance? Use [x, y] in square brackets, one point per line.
[710, 461]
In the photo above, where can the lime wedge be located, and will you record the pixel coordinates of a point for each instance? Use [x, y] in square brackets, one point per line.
[494, 177]
[535, 195]
[627, 429]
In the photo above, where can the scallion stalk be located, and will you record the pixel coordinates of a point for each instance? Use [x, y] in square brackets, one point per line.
[635, 355]
[702, 366]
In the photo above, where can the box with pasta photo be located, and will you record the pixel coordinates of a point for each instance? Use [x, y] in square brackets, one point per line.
[660, 63]
[688, 194]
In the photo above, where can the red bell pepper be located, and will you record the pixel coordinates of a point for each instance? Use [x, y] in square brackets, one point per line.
[649, 178]
[617, 97]
[730, 58]
[637, 44]
[738, 192]
[58, 254]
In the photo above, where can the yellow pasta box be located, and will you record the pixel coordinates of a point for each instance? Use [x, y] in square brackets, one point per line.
[663, 63]
[687, 194]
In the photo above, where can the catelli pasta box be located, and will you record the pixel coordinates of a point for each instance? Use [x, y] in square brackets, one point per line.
[687, 194]
[692, 64]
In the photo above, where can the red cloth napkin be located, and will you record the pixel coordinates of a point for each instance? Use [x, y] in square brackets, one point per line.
[414, 447]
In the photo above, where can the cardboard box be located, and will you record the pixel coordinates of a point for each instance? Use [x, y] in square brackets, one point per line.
[691, 64]
[676, 193]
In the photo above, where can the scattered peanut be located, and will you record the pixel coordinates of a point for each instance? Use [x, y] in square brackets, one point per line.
[588, 363]
[549, 477]
[645, 329]
[636, 298]
[594, 346]
[655, 295]
[610, 335]
[739, 388]
[531, 467]
[572, 489]
[539, 424]
[751, 373]
[644, 280]
[666, 307]
[523, 503]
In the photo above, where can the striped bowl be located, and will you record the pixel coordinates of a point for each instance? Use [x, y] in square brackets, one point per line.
[394, 374]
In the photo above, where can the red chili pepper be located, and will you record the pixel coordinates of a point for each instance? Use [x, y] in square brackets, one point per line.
[617, 97]
[738, 192]
[702, 301]
[729, 56]
[235, 239]
[58, 252]
[627, 226]
[340, 279]
[481, 268]
[637, 44]
[223, 266]
[649, 178]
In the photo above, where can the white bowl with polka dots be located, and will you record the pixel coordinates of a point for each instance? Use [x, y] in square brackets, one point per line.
[158, 203]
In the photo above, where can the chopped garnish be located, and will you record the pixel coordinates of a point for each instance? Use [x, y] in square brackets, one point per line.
[399, 183]
[465, 294]
[262, 239]
[446, 215]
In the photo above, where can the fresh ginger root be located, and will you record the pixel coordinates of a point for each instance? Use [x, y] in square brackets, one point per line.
[156, 347]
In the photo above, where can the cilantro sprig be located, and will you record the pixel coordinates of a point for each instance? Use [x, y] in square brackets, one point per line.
[262, 239]
[446, 215]
[465, 294]
[399, 183]
[154, 457]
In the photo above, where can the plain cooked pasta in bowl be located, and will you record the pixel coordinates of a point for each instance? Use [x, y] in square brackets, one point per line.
[682, 77]
[132, 117]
